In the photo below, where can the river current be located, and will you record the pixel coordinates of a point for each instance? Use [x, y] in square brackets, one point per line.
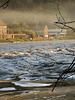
[34, 64]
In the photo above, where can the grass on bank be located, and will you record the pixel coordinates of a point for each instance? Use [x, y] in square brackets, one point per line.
[34, 39]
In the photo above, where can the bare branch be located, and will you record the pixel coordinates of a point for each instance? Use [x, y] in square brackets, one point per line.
[61, 23]
[62, 18]
[64, 26]
[5, 4]
[64, 72]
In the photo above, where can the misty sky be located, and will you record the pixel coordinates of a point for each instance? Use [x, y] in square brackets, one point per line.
[40, 12]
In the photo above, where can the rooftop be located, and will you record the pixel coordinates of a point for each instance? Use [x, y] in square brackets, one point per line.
[2, 23]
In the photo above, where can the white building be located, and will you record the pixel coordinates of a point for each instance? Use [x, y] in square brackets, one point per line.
[54, 33]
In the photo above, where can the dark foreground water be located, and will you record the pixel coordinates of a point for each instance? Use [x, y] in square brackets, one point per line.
[31, 67]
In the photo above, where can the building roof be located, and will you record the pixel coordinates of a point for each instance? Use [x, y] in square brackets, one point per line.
[54, 30]
[54, 33]
[2, 23]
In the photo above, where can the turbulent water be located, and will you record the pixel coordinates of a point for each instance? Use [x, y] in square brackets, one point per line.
[25, 64]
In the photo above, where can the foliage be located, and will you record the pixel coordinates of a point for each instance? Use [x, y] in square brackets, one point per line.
[30, 33]
[21, 28]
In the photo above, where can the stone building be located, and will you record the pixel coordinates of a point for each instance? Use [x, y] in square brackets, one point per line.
[46, 32]
[54, 33]
[3, 30]
[17, 36]
[4, 33]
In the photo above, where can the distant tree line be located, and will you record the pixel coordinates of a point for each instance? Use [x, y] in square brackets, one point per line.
[21, 28]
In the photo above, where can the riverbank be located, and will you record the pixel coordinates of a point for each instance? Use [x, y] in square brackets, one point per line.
[35, 39]
[60, 93]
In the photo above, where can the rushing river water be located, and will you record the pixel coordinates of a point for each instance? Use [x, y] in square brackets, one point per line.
[31, 65]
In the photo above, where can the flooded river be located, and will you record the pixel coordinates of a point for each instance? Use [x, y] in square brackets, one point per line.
[32, 67]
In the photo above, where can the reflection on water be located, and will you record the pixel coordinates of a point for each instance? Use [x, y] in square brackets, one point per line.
[29, 63]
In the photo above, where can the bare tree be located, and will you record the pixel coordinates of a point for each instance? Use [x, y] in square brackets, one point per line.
[64, 72]
[61, 23]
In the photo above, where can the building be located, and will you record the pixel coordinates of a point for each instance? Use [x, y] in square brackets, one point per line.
[54, 33]
[4, 33]
[46, 32]
[17, 36]
[3, 30]
[57, 33]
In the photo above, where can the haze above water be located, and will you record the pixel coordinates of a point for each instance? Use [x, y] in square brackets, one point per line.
[37, 12]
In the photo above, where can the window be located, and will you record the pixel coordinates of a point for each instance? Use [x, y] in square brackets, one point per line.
[4, 27]
[4, 31]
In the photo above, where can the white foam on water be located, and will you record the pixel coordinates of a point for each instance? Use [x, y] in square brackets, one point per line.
[72, 77]
[25, 84]
[7, 89]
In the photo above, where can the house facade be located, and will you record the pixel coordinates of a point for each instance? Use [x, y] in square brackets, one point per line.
[46, 32]
[3, 30]
[4, 33]
[17, 36]
[54, 33]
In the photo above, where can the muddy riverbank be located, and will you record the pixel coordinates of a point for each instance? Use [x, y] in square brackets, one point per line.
[60, 93]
